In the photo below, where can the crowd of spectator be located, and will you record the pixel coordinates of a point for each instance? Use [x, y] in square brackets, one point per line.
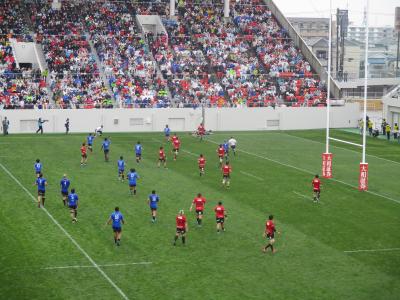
[74, 75]
[184, 65]
[288, 75]
[97, 55]
[20, 87]
[128, 66]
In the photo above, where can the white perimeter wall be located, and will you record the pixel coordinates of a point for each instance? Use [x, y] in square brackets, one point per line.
[182, 119]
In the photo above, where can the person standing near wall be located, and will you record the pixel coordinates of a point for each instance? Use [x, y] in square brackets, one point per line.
[370, 126]
[66, 126]
[40, 125]
[383, 126]
[6, 125]
[395, 131]
[388, 129]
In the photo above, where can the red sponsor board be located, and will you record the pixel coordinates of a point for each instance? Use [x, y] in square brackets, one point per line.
[327, 165]
[363, 179]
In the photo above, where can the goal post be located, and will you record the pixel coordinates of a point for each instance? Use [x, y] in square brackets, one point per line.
[327, 157]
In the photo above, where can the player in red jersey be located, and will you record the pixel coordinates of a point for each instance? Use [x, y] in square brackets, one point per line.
[226, 175]
[269, 233]
[199, 202]
[83, 154]
[162, 157]
[177, 144]
[221, 154]
[202, 164]
[316, 183]
[181, 227]
[220, 215]
[201, 131]
[173, 138]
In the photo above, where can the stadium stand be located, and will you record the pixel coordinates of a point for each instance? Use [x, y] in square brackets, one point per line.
[129, 68]
[75, 78]
[20, 87]
[98, 57]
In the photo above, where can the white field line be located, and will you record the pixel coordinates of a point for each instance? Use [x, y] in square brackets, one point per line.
[372, 250]
[96, 266]
[88, 266]
[306, 197]
[308, 172]
[188, 152]
[303, 196]
[252, 176]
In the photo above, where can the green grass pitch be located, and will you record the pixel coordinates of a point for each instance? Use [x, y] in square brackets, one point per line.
[272, 174]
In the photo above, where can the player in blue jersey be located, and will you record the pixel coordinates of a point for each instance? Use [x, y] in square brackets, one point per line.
[226, 148]
[121, 168]
[38, 167]
[89, 139]
[132, 177]
[138, 152]
[41, 183]
[73, 205]
[153, 203]
[105, 146]
[167, 132]
[117, 219]
[64, 184]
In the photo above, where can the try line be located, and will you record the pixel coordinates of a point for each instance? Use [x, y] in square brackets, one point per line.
[96, 266]
[88, 266]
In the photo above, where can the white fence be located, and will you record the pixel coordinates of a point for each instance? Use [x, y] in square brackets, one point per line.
[181, 119]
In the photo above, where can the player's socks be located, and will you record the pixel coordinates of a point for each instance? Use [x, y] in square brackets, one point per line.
[43, 201]
[183, 240]
[115, 240]
[175, 238]
[134, 192]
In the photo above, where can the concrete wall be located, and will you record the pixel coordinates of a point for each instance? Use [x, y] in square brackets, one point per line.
[25, 53]
[282, 118]
[181, 119]
[151, 23]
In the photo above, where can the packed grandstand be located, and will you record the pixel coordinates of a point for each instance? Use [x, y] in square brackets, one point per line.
[98, 57]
